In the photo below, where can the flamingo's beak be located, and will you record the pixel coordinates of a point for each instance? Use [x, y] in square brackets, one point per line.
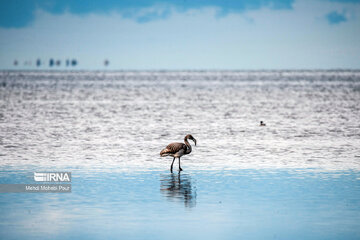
[194, 141]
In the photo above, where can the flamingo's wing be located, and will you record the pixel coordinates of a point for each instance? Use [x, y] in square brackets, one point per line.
[173, 148]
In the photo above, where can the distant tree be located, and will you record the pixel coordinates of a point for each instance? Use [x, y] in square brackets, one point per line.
[73, 62]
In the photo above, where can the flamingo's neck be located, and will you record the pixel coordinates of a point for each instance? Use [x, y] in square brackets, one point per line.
[189, 149]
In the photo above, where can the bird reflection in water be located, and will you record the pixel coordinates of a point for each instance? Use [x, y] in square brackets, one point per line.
[178, 187]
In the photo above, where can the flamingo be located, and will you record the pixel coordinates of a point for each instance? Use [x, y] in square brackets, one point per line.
[177, 150]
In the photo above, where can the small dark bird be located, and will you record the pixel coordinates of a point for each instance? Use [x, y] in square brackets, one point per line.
[262, 124]
[177, 150]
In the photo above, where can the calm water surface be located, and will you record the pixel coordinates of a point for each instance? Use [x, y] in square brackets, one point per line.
[296, 178]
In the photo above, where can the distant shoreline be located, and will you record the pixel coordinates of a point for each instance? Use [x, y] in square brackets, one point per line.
[183, 70]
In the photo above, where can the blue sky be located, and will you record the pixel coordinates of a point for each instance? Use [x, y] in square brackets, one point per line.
[197, 34]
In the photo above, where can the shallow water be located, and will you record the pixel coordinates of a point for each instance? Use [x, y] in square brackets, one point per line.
[250, 204]
[296, 178]
[123, 119]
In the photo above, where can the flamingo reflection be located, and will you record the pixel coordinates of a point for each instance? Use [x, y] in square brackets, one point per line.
[178, 187]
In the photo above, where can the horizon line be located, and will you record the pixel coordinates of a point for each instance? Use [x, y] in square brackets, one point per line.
[178, 70]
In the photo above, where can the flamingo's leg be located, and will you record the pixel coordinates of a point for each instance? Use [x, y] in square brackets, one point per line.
[180, 169]
[172, 165]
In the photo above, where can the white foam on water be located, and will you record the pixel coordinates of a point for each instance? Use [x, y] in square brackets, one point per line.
[121, 120]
